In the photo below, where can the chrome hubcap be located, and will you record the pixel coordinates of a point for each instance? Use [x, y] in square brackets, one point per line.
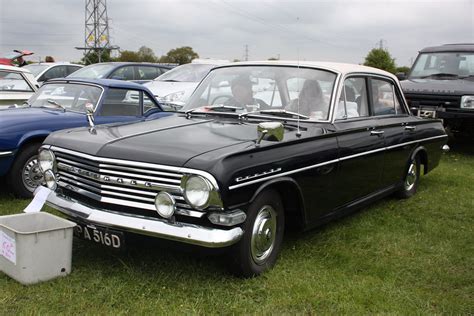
[411, 177]
[31, 174]
[263, 234]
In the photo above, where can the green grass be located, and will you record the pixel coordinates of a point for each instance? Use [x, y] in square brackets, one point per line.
[412, 256]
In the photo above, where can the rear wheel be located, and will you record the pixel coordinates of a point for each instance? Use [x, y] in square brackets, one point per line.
[258, 249]
[411, 179]
[25, 175]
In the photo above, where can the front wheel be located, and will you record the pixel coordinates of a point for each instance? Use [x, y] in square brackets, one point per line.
[258, 249]
[411, 179]
[25, 175]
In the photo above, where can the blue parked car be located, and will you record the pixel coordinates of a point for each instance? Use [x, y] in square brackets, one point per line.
[61, 104]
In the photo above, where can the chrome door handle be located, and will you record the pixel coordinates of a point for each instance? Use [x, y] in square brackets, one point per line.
[377, 133]
[410, 128]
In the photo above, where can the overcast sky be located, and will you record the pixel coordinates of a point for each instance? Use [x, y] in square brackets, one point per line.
[309, 30]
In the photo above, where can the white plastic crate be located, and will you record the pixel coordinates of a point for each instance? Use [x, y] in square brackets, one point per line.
[35, 247]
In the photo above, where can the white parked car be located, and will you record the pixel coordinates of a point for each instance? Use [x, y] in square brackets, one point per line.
[16, 85]
[47, 71]
[174, 87]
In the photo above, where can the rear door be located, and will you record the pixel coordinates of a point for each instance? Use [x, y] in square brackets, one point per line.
[392, 117]
[360, 141]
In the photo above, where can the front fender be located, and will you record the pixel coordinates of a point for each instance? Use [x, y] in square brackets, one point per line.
[37, 134]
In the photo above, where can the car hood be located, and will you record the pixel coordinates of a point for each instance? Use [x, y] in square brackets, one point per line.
[171, 140]
[434, 86]
[163, 88]
[26, 118]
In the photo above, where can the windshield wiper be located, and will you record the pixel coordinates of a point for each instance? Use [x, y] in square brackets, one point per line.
[280, 113]
[441, 74]
[216, 108]
[169, 80]
[51, 101]
[467, 76]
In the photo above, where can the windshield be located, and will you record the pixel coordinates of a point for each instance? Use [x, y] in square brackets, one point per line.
[274, 89]
[69, 96]
[443, 64]
[36, 69]
[186, 73]
[98, 71]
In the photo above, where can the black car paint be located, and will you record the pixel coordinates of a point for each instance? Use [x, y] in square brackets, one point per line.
[226, 148]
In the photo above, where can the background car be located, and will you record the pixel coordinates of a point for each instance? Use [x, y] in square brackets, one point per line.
[48, 71]
[16, 85]
[441, 84]
[58, 105]
[174, 87]
[136, 72]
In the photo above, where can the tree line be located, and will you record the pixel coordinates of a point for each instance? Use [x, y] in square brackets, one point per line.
[180, 55]
[377, 57]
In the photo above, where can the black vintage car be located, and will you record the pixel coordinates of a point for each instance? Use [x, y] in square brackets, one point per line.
[259, 148]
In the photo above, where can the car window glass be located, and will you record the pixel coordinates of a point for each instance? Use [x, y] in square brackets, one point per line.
[399, 109]
[55, 72]
[147, 73]
[353, 100]
[71, 69]
[123, 73]
[267, 90]
[148, 104]
[247, 89]
[383, 97]
[121, 102]
[69, 96]
[13, 81]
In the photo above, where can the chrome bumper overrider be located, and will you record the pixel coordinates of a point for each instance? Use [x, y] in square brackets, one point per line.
[183, 232]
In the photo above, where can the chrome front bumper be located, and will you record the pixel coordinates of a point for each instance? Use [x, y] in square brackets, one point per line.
[183, 232]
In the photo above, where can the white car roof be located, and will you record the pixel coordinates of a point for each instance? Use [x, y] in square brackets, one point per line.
[342, 68]
[14, 68]
[56, 63]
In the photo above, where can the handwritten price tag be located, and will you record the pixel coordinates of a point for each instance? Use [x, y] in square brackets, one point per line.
[8, 247]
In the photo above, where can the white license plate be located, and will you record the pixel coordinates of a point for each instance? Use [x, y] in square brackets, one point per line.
[100, 235]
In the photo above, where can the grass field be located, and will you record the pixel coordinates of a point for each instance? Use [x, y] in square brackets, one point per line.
[412, 256]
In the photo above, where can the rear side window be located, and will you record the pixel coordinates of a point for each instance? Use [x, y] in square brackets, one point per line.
[147, 73]
[121, 102]
[71, 69]
[385, 100]
[13, 81]
[55, 72]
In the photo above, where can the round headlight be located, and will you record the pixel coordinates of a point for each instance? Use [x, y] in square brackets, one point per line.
[50, 180]
[197, 191]
[46, 160]
[165, 204]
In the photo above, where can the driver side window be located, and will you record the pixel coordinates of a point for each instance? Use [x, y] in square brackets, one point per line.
[121, 102]
[123, 73]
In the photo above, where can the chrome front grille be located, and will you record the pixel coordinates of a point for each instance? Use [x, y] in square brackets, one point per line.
[120, 182]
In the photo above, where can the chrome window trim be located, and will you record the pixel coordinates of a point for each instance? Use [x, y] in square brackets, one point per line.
[333, 161]
[368, 75]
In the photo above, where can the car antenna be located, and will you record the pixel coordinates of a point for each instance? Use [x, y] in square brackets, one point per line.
[298, 132]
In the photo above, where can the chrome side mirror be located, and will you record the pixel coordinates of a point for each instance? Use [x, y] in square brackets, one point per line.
[90, 117]
[271, 131]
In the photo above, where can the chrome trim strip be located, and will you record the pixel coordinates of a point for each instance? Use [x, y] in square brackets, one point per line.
[362, 154]
[283, 174]
[182, 232]
[415, 141]
[6, 153]
[333, 161]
